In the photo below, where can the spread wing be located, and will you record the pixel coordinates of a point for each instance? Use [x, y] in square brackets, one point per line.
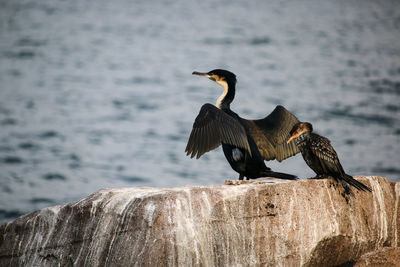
[213, 127]
[272, 132]
[322, 148]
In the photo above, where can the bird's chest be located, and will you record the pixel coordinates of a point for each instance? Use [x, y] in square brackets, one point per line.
[305, 150]
[301, 143]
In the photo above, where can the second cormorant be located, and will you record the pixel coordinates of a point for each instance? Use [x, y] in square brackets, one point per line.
[246, 143]
[320, 156]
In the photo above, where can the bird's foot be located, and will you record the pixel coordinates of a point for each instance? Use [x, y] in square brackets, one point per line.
[319, 176]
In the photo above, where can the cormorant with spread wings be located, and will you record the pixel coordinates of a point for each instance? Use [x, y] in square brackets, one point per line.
[246, 143]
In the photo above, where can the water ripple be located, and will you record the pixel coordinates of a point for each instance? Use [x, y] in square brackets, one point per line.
[8, 121]
[40, 200]
[22, 54]
[382, 86]
[7, 214]
[260, 40]
[48, 134]
[131, 179]
[361, 118]
[29, 146]
[11, 160]
[54, 176]
[27, 41]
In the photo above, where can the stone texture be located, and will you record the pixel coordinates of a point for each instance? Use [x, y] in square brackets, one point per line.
[298, 223]
[385, 257]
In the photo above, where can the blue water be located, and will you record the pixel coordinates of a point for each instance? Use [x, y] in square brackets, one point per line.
[97, 94]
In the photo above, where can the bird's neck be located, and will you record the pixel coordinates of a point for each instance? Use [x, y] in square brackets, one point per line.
[303, 137]
[225, 100]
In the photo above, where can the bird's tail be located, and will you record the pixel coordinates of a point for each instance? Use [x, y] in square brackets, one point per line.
[351, 181]
[279, 175]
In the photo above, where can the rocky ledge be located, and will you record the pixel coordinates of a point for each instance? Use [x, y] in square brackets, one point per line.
[298, 223]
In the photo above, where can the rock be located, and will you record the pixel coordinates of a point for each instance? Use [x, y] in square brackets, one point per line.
[297, 223]
[385, 257]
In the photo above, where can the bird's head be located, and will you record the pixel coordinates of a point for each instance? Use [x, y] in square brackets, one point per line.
[223, 77]
[299, 129]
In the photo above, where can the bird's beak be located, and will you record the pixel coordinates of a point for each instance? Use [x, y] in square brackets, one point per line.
[201, 74]
[292, 137]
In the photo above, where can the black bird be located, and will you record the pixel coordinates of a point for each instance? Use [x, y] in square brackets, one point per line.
[246, 143]
[320, 156]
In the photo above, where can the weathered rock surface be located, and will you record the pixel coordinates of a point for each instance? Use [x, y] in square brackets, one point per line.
[299, 223]
[385, 257]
